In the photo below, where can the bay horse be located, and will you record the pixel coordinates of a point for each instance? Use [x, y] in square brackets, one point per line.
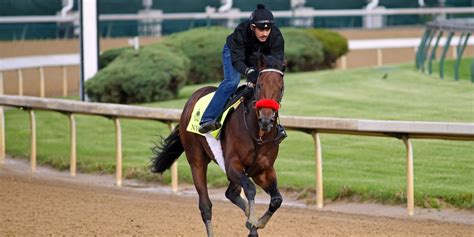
[250, 140]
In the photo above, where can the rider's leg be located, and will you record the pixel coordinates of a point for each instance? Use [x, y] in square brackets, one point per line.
[225, 89]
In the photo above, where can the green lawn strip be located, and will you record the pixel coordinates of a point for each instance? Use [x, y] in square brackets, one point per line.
[368, 168]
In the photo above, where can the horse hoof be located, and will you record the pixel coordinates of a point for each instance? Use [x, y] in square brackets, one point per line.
[253, 233]
[251, 223]
[248, 225]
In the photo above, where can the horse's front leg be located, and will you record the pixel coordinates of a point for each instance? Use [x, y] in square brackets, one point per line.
[268, 181]
[233, 194]
[236, 174]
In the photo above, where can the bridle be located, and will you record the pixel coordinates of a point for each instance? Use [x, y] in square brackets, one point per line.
[265, 103]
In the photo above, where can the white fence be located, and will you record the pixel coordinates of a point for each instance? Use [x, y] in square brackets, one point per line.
[231, 15]
[64, 60]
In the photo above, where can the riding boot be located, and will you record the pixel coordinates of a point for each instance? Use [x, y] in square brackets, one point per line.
[281, 134]
[209, 126]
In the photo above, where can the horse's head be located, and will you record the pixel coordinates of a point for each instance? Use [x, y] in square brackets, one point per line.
[268, 91]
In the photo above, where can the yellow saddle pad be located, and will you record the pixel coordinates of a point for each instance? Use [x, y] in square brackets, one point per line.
[198, 111]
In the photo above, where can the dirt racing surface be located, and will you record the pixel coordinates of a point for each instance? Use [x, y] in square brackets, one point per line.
[44, 204]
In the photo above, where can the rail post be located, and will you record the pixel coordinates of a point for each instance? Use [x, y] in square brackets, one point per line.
[319, 170]
[41, 72]
[410, 182]
[20, 82]
[2, 125]
[2, 136]
[73, 161]
[33, 140]
[64, 80]
[118, 151]
[344, 62]
[1, 83]
[174, 168]
[379, 57]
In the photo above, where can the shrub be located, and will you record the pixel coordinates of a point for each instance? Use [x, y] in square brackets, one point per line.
[302, 51]
[157, 71]
[334, 45]
[110, 55]
[151, 74]
[203, 46]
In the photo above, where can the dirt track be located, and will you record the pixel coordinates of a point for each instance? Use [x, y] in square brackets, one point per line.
[44, 206]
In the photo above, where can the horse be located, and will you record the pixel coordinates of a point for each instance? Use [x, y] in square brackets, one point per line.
[249, 138]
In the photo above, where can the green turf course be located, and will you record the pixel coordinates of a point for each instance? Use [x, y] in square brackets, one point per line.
[365, 168]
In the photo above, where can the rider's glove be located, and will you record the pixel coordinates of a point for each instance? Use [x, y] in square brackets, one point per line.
[252, 75]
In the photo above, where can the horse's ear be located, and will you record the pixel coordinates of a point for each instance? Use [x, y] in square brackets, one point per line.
[261, 62]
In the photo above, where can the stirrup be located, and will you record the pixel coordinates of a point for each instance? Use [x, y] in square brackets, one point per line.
[281, 134]
[209, 126]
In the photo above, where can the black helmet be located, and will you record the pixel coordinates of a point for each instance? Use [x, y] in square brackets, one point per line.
[262, 17]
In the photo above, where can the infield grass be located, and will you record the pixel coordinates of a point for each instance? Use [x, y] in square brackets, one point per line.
[356, 167]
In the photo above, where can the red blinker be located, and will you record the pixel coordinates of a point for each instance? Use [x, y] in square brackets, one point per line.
[267, 103]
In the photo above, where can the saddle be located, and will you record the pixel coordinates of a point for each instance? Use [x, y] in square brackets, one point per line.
[232, 103]
[242, 91]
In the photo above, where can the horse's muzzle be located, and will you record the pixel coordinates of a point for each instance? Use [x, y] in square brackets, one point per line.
[265, 124]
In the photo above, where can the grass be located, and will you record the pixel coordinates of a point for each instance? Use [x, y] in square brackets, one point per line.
[368, 168]
[464, 69]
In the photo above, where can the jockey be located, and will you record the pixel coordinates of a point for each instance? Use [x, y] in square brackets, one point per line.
[258, 34]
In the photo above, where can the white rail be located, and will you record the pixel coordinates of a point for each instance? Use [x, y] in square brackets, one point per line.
[404, 130]
[55, 60]
[236, 15]
[18, 64]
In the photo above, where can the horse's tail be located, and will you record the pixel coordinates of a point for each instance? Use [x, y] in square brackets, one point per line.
[166, 152]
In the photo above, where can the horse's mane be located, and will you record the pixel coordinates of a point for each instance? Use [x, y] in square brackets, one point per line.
[268, 61]
[274, 63]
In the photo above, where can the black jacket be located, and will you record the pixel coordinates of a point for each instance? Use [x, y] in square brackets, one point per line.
[243, 44]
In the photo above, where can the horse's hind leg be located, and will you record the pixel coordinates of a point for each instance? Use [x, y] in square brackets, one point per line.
[233, 194]
[268, 181]
[199, 171]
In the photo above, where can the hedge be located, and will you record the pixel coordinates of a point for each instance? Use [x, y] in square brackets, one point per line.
[334, 45]
[150, 74]
[302, 51]
[194, 57]
[110, 55]
[203, 46]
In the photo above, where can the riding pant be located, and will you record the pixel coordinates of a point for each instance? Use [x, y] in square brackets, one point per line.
[227, 87]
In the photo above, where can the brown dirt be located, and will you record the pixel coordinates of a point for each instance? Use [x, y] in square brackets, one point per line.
[52, 204]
